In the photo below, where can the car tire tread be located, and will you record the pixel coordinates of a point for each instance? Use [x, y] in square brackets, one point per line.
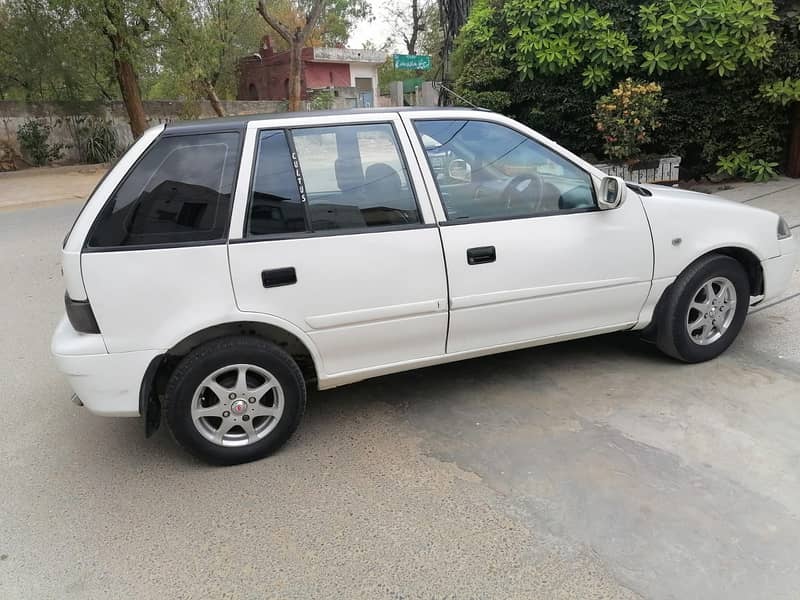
[192, 367]
[671, 335]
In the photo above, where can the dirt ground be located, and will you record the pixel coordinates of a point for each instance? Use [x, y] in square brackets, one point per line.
[42, 185]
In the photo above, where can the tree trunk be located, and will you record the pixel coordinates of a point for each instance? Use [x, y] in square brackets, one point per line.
[295, 74]
[411, 43]
[793, 164]
[211, 94]
[131, 97]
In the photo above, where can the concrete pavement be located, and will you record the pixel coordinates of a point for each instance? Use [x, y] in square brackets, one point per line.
[591, 469]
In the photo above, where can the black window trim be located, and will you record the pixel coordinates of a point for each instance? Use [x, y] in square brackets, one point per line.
[223, 239]
[551, 213]
[310, 232]
[299, 235]
[250, 191]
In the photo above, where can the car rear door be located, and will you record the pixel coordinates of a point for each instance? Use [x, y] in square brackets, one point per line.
[529, 255]
[333, 232]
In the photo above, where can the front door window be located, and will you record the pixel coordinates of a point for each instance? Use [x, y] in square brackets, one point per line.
[486, 170]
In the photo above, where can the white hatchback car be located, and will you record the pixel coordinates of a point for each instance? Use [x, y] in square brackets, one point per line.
[223, 265]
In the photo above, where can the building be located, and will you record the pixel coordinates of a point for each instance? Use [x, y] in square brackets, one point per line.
[349, 72]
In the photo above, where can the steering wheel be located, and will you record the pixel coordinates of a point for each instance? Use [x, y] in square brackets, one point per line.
[524, 191]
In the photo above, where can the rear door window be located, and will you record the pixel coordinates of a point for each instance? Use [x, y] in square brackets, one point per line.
[354, 177]
[179, 192]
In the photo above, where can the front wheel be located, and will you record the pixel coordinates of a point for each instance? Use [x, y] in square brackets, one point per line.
[234, 400]
[705, 309]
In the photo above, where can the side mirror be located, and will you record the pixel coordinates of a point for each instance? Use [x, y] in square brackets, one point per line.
[460, 170]
[612, 192]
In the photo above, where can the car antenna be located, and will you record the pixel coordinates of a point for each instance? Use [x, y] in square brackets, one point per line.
[442, 86]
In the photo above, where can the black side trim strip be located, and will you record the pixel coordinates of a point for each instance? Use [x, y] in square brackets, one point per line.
[195, 243]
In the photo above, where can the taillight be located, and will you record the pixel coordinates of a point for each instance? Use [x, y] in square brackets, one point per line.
[79, 313]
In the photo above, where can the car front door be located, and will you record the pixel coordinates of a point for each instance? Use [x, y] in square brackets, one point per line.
[333, 232]
[529, 255]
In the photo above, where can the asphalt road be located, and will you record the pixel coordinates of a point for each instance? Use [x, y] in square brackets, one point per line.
[590, 469]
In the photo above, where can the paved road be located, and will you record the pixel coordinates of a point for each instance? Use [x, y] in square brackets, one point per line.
[591, 469]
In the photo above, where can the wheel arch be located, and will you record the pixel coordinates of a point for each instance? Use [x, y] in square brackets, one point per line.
[750, 262]
[158, 372]
[745, 257]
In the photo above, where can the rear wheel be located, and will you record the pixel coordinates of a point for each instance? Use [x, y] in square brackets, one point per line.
[235, 400]
[705, 309]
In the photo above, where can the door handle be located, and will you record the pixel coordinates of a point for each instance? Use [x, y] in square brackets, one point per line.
[277, 277]
[481, 255]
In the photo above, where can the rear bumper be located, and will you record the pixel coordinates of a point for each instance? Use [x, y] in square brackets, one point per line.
[107, 384]
[778, 270]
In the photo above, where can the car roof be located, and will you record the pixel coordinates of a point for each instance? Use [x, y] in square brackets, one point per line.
[239, 122]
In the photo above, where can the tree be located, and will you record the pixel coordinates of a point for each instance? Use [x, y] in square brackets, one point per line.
[301, 23]
[296, 40]
[202, 43]
[47, 52]
[407, 22]
[453, 15]
[125, 27]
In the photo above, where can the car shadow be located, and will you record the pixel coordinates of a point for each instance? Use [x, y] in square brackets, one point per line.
[420, 389]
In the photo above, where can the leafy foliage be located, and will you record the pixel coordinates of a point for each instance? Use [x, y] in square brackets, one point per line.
[482, 79]
[548, 37]
[742, 164]
[32, 136]
[719, 35]
[782, 92]
[708, 115]
[47, 52]
[95, 139]
[323, 100]
[627, 116]
[62, 50]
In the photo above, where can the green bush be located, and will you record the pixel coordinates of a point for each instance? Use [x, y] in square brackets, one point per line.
[718, 63]
[709, 117]
[95, 139]
[718, 35]
[32, 136]
[549, 37]
[323, 100]
[782, 92]
[742, 164]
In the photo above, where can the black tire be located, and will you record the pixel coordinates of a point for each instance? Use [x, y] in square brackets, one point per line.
[672, 337]
[217, 354]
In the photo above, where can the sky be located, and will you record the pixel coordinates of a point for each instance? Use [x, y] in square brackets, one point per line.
[377, 31]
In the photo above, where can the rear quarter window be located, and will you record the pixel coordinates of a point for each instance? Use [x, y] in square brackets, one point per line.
[180, 191]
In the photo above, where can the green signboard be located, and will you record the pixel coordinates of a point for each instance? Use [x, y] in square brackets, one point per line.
[412, 61]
